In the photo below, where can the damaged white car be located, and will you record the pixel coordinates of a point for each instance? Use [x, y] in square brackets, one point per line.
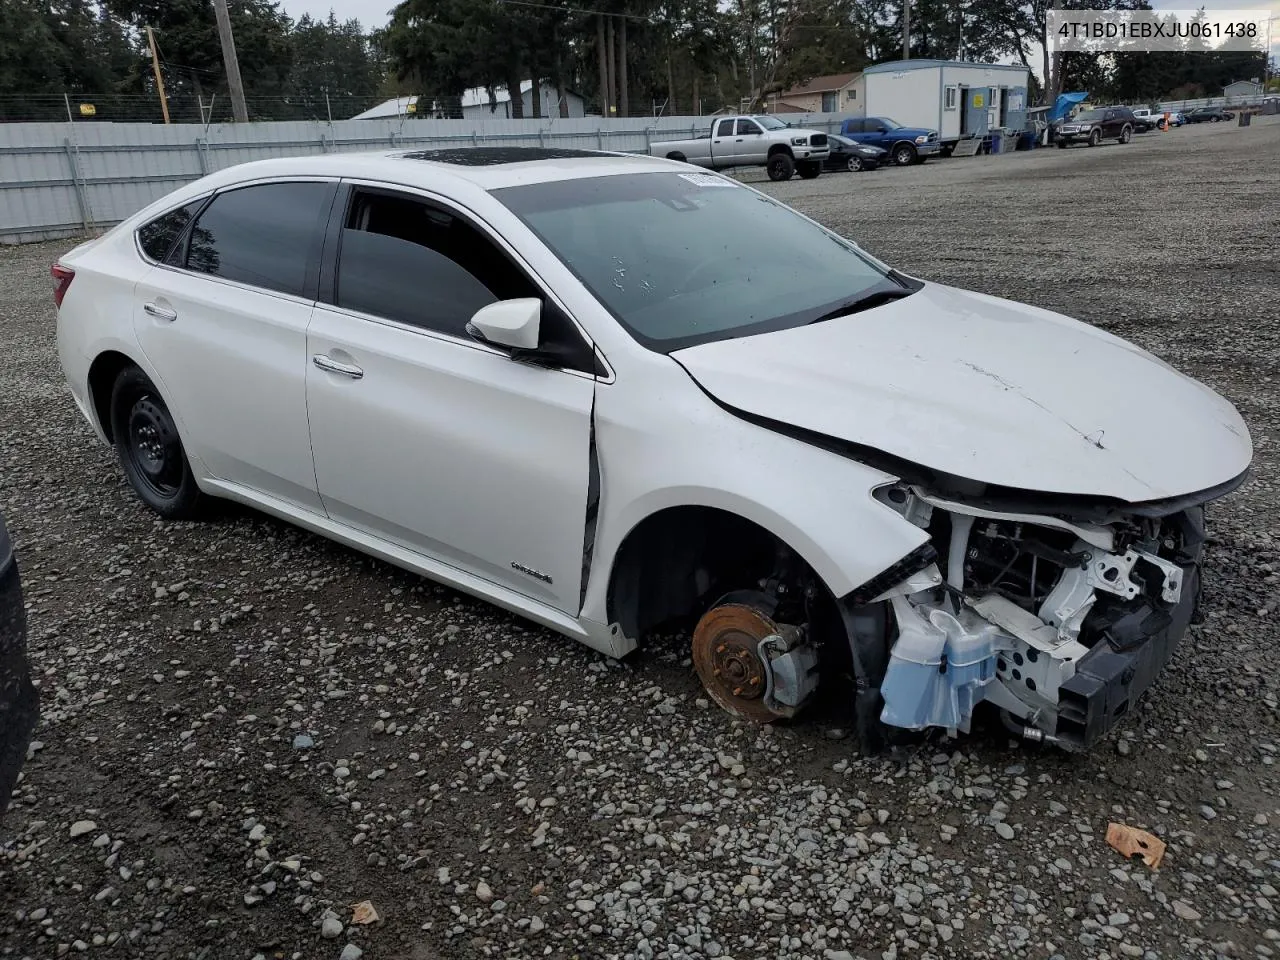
[611, 394]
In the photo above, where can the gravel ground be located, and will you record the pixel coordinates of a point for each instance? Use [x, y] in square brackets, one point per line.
[248, 730]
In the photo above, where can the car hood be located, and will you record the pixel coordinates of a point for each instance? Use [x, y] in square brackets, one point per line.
[989, 390]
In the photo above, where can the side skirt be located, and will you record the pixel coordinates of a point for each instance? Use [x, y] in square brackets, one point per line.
[594, 635]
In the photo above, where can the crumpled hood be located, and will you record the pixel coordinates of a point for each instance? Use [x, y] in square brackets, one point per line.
[989, 390]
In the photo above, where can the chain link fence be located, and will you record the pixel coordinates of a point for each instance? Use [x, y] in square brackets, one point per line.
[184, 107]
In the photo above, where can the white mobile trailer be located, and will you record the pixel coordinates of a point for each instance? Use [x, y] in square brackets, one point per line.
[956, 98]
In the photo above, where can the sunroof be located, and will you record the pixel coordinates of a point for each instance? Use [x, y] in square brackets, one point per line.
[491, 156]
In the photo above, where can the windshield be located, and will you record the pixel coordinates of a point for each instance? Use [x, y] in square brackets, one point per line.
[686, 258]
[842, 141]
[770, 123]
[1089, 115]
[891, 124]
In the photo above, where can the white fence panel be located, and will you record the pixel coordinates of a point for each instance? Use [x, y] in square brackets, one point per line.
[62, 179]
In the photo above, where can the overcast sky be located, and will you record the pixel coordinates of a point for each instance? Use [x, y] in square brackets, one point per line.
[371, 13]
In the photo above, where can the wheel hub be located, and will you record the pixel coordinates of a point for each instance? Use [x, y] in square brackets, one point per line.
[153, 442]
[725, 655]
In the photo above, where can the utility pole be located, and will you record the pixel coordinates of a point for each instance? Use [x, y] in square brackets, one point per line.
[906, 29]
[155, 67]
[602, 57]
[624, 93]
[238, 109]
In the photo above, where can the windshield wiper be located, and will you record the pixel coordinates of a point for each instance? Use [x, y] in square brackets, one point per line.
[872, 298]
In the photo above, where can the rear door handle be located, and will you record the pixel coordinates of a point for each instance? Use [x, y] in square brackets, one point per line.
[160, 313]
[333, 366]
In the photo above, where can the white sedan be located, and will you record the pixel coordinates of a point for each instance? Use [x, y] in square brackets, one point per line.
[610, 394]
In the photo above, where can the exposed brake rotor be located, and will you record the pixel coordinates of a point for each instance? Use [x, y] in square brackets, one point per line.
[726, 655]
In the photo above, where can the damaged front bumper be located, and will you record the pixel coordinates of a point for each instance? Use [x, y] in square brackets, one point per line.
[1060, 624]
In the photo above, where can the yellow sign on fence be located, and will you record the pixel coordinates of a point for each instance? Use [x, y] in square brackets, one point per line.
[88, 110]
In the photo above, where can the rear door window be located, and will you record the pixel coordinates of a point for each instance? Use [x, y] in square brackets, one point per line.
[267, 236]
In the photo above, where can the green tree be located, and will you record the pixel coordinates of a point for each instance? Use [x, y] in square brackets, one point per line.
[333, 59]
[187, 34]
[56, 47]
[444, 47]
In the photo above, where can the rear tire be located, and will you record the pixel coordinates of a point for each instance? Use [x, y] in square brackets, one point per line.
[150, 451]
[809, 169]
[1126, 134]
[780, 167]
[676, 155]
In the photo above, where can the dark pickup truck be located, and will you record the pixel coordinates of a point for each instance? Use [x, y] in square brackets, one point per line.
[905, 145]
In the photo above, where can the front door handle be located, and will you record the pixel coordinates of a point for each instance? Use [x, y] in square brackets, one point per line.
[333, 366]
[160, 313]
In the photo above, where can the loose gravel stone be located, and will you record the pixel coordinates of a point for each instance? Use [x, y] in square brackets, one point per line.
[1185, 911]
[331, 928]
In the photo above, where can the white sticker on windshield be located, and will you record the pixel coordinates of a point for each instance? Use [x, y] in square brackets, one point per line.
[707, 180]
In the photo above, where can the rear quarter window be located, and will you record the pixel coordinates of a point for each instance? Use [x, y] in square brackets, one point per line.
[157, 238]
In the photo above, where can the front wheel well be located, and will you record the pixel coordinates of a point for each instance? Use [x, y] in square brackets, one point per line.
[675, 563]
[779, 148]
[103, 373]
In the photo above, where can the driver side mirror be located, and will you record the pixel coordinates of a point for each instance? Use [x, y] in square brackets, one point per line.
[508, 323]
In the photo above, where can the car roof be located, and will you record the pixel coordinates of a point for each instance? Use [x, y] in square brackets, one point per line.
[488, 168]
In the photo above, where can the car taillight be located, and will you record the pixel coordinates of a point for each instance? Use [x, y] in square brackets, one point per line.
[62, 277]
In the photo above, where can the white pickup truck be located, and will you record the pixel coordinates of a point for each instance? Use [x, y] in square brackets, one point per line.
[751, 141]
[1157, 117]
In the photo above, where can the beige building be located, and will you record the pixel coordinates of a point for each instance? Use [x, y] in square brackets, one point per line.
[837, 93]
